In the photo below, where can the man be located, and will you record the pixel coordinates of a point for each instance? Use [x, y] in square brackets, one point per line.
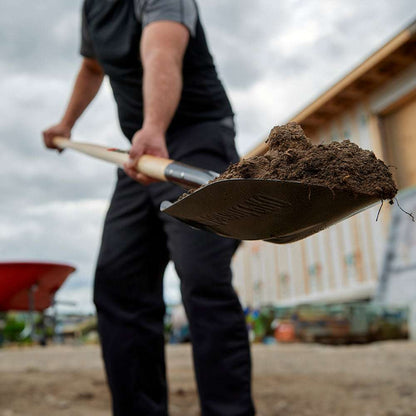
[170, 102]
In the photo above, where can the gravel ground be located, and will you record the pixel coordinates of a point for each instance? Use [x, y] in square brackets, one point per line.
[289, 380]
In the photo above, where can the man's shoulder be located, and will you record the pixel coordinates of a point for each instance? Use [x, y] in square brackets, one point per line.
[164, 3]
[182, 11]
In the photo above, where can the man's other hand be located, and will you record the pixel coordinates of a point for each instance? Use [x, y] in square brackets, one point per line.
[146, 141]
[59, 129]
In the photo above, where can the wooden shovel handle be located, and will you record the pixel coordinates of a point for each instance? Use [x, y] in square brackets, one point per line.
[152, 166]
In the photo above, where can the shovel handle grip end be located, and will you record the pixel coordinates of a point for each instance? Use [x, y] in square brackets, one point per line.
[100, 152]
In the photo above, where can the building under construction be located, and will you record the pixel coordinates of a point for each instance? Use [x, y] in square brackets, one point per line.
[375, 107]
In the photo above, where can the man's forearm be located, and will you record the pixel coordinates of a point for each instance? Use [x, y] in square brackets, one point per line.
[87, 84]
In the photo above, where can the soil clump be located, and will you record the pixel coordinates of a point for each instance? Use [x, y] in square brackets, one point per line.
[338, 165]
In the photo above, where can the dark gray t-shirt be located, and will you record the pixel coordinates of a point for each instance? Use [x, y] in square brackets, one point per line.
[111, 31]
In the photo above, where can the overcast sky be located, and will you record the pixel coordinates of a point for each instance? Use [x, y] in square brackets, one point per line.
[274, 59]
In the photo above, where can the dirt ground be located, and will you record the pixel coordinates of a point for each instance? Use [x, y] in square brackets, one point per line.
[289, 380]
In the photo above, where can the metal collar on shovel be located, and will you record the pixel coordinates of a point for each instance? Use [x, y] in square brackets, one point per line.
[245, 209]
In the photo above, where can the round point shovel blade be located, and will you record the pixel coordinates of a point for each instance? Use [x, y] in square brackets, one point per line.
[272, 210]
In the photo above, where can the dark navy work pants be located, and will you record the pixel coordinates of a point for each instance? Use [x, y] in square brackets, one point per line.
[138, 241]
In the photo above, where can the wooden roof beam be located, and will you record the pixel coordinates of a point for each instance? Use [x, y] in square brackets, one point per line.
[403, 59]
[352, 93]
[314, 120]
[334, 107]
[376, 77]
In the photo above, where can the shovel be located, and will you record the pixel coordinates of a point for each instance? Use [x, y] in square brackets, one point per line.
[245, 209]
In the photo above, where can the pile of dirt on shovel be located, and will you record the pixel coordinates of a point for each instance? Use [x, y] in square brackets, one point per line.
[339, 165]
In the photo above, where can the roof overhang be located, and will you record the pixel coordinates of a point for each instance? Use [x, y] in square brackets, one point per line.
[383, 65]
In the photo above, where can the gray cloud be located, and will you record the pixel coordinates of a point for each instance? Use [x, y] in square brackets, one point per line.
[40, 36]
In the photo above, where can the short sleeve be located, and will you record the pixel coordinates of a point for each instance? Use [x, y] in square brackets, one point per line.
[181, 11]
[87, 48]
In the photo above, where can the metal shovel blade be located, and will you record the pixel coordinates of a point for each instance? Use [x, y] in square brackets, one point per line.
[272, 210]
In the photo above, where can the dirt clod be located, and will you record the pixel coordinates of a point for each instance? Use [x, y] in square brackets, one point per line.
[338, 165]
